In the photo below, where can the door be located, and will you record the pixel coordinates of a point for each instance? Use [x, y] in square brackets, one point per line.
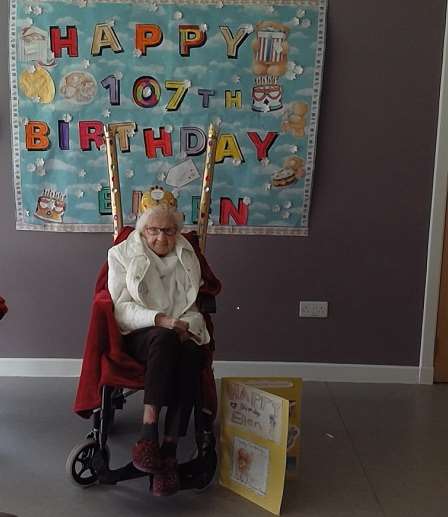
[441, 345]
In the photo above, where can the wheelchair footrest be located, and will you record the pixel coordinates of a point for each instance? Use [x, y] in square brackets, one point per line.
[195, 474]
[112, 477]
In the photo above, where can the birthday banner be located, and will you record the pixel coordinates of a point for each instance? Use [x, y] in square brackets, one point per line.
[159, 72]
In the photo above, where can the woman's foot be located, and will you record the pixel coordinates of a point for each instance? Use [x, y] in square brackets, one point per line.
[166, 482]
[146, 456]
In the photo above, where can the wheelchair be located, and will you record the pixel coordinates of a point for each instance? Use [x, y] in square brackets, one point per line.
[105, 386]
[88, 462]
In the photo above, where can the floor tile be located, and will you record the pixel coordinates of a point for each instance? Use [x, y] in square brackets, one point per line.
[399, 432]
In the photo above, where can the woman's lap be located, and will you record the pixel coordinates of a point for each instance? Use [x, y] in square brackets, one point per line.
[172, 366]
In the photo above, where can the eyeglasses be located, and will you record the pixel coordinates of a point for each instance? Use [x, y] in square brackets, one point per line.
[169, 232]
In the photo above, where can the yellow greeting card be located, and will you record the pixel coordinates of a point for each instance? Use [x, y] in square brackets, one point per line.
[260, 421]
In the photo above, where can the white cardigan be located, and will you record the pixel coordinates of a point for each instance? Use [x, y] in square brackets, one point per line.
[131, 271]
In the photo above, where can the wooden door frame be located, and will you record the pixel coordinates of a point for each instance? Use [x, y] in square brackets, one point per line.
[436, 232]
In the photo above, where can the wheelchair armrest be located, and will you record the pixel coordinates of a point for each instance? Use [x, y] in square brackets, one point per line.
[206, 303]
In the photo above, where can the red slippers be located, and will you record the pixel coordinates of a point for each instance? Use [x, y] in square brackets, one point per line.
[166, 482]
[146, 456]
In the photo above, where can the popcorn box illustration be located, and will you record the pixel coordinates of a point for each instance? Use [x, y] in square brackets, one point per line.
[33, 45]
[270, 57]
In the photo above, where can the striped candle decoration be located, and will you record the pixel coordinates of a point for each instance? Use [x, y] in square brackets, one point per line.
[114, 178]
[207, 181]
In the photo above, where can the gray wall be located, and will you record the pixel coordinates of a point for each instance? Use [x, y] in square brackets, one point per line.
[366, 253]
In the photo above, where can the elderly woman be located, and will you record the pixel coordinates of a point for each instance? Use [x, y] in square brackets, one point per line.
[154, 279]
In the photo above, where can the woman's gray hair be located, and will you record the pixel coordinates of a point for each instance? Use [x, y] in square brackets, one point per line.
[177, 217]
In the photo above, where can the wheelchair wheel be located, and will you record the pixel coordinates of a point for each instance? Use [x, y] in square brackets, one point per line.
[79, 465]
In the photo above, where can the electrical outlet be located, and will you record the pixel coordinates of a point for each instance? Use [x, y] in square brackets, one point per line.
[313, 309]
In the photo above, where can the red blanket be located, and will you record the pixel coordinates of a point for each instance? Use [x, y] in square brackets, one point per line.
[104, 361]
[3, 307]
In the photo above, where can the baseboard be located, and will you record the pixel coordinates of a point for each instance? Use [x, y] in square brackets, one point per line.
[30, 367]
[45, 367]
[326, 372]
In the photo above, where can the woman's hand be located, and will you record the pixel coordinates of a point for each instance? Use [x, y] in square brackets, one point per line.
[168, 322]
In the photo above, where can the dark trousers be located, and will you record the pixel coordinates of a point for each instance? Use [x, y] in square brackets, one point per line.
[172, 373]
